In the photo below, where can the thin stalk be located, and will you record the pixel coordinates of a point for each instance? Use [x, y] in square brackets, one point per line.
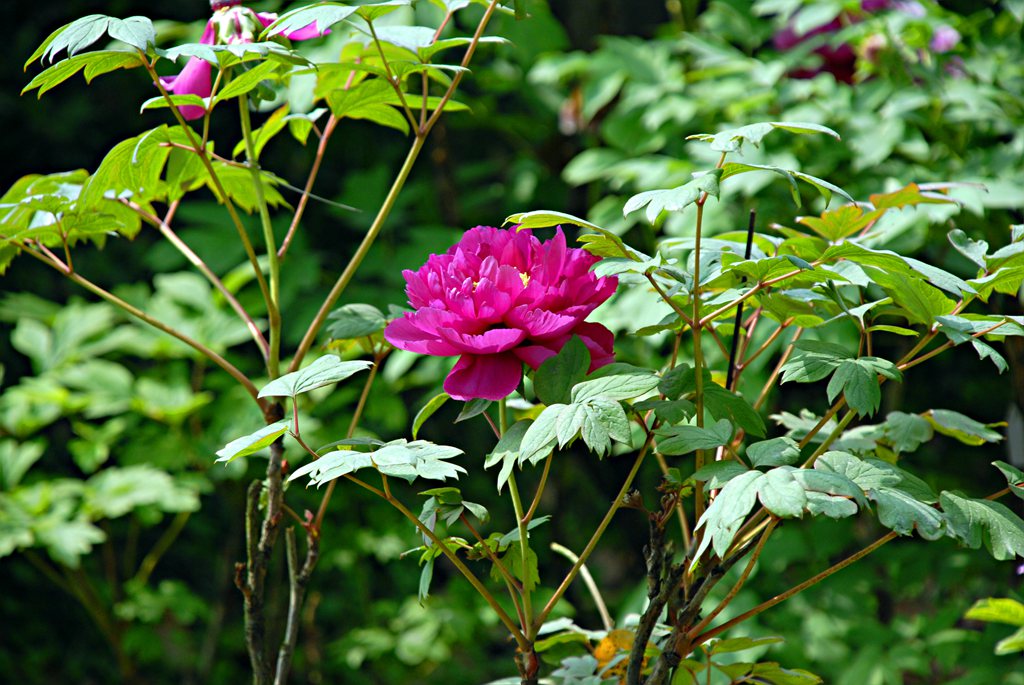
[164, 226]
[704, 637]
[731, 595]
[510, 583]
[503, 616]
[395, 84]
[585, 554]
[540, 487]
[698, 357]
[521, 524]
[201, 151]
[150, 561]
[457, 78]
[360, 254]
[155, 323]
[588, 580]
[300, 209]
[356, 416]
[273, 304]
[770, 383]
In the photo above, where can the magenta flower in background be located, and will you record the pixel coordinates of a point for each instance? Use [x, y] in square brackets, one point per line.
[499, 298]
[944, 39]
[231, 23]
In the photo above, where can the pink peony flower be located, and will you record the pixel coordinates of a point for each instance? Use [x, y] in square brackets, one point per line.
[231, 23]
[497, 299]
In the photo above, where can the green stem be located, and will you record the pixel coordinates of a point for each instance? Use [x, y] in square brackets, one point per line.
[357, 258]
[274, 303]
[596, 537]
[521, 524]
[150, 561]
[698, 358]
[204, 157]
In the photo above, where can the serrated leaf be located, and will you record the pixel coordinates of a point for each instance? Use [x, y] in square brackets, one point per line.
[813, 361]
[867, 476]
[679, 440]
[94, 63]
[324, 371]
[731, 140]
[616, 381]
[252, 443]
[542, 435]
[674, 199]
[781, 494]
[718, 473]
[723, 518]
[604, 421]
[903, 514]
[507, 451]
[977, 521]
[136, 31]
[398, 458]
[906, 432]
[824, 188]
[323, 14]
[427, 411]
[774, 452]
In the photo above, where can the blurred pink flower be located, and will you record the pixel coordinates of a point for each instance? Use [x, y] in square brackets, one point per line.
[499, 298]
[231, 23]
[944, 39]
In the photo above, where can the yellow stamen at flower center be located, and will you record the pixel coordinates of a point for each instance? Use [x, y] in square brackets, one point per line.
[525, 278]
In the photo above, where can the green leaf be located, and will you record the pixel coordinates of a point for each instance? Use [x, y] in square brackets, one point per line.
[507, 451]
[554, 380]
[1005, 279]
[137, 32]
[427, 411]
[675, 199]
[94, 63]
[542, 435]
[1012, 644]
[738, 644]
[616, 381]
[398, 458]
[840, 223]
[668, 411]
[525, 570]
[603, 421]
[974, 250]
[355, 321]
[774, 452]
[823, 187]
[718, 473]
[781, 493]
[725, 404]
[963, 428]
[977, 521]
[902, 513]
[732, 140]
[813, 361]
[472, 408]
[246, 81]
[114, 492]
[679, 440]
[324, 371]
[68, 541]
[723, 518]
[16, 459]
[867, 475]
[323, 14]
[857, 380]
[909, 196]
[1014, 478]
[252, 443]
[906, 432]
[997, 610]
[73, 37]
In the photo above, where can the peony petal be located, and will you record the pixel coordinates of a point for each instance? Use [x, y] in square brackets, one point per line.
[489, 342]
[542, 324]
[534, 355]
[406, 335]
[488, 377]
[600, 343]
[194, 79]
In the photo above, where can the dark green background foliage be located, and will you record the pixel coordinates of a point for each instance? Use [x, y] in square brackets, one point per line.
[590, 103]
